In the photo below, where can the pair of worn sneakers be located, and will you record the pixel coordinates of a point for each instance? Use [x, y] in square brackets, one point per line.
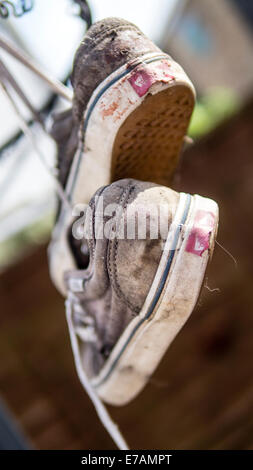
[127, 252]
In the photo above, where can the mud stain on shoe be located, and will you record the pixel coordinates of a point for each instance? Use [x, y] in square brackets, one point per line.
[110, 110]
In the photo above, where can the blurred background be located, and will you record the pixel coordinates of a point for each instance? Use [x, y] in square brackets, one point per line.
[201, 396]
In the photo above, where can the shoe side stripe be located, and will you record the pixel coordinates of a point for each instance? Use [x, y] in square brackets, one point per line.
[114, 80]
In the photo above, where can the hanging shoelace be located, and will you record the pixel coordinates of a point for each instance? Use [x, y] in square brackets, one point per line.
[82, 326]
[18, 8]
[85, 12]
[8, 7]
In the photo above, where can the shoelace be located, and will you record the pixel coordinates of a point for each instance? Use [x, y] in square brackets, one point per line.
[8, 7]
[84, 325]
[85, 12]
[84, 329]
[86, 332]
[6, 81]
[17, 9]
[30, 135]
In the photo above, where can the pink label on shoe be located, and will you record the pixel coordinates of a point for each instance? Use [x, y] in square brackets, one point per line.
[199, 238]
[142, 79]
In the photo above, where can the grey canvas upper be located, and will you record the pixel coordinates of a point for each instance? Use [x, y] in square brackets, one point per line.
[120, 271]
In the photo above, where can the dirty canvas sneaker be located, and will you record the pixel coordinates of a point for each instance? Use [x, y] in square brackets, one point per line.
[131, 110]
[145, 252]
[132, 107]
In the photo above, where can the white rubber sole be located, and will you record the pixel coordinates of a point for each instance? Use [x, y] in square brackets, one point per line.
[170, 302]
[114, 100]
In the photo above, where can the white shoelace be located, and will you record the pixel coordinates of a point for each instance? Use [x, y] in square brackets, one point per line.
[7, 80]
[85, 331]
[57, 87]
[72, 305]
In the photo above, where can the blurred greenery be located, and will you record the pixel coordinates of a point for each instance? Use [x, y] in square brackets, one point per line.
[213, 108]
[33, 235]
